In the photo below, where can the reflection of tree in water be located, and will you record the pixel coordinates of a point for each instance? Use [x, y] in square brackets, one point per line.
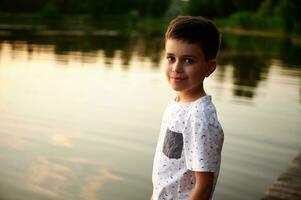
[290, 58]
[248, 72]
[251, 58]
[89, 45]
[153, 49]
[290, 53]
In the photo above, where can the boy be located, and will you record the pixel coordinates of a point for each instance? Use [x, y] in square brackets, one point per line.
[188, 154]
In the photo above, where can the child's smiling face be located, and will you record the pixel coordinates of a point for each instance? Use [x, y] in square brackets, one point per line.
[186, 66]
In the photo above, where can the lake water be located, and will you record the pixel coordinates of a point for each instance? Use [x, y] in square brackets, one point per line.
[80, 116]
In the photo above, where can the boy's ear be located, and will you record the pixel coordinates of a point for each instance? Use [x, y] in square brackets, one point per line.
[211, 67]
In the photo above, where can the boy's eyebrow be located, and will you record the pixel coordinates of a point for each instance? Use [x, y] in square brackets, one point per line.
[185, 55]
[169, 53]
[189, 56]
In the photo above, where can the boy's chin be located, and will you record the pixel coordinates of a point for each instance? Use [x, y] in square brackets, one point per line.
[177, 89]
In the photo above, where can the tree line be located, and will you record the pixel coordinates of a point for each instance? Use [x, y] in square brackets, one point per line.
[154, 8]
[96, 8]
[259, 14]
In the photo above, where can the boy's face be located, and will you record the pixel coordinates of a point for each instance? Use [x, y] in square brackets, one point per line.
[186, 66]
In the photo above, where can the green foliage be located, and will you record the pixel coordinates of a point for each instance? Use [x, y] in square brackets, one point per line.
[249, 20]
[150, 26]
[71, 6]
[157, 8]
[287, 10]
[242, 19]
[284, 9]
[272, 23]
[297, 28]
[243, 5]
[98, 9]
[280, 15]
[209, 8]
[266, 8]
[50, 12]
[21, 6]
[108, 8]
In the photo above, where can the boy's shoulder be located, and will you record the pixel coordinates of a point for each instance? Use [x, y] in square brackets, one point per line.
[204, 111]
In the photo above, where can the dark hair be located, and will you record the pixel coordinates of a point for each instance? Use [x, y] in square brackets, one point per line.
[196, 29]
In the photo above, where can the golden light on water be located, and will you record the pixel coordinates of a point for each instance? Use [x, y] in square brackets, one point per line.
[62, 140]
[51, 178]
[79, 125]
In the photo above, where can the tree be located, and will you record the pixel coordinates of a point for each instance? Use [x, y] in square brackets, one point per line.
[209, 8]
[243, 5]
[286, 10]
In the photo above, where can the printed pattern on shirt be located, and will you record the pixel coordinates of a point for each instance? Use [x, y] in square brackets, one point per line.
[190, 139]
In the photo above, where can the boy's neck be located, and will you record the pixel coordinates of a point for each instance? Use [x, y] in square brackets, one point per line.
[190, 95]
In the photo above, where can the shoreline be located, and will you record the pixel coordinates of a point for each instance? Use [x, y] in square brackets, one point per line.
[9, 29]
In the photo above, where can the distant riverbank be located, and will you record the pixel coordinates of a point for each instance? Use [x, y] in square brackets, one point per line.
[44, 30]
[82, 25]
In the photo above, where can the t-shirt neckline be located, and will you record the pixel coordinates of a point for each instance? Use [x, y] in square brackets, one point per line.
[200, 99]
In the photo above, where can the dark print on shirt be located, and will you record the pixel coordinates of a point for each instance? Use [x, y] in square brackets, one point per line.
[173, 144]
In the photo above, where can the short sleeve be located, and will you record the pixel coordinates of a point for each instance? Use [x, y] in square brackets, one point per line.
[203, 141]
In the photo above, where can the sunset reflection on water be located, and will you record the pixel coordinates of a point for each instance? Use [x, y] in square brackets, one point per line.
[80, 119]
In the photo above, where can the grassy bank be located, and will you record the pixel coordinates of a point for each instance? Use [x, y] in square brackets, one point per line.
[254, 24]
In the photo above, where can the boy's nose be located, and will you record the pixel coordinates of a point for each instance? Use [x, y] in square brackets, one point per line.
[177, 67]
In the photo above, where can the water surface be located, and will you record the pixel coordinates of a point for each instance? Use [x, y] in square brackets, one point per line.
[80, 116]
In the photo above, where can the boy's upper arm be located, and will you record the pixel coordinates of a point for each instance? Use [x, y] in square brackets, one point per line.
[203, 185]
[204, 179]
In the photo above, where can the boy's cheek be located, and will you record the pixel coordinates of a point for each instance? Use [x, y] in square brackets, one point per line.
[166, 64]
[167, 69]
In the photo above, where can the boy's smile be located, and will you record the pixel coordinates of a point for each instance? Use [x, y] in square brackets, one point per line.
[186, 68]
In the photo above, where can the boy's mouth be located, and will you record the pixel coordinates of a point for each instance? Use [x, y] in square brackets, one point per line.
[177, 79]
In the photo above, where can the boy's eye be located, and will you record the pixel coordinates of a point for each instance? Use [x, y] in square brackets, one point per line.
[170, 59]
[189, 61]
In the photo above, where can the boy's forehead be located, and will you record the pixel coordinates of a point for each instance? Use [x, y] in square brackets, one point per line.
[174, 46]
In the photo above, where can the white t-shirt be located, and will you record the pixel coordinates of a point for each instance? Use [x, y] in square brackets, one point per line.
[190, 139]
